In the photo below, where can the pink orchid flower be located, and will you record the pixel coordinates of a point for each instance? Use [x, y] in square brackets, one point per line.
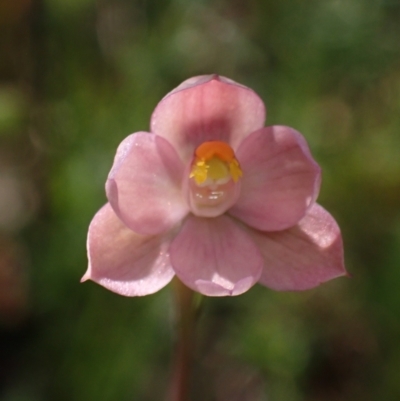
[216, 198]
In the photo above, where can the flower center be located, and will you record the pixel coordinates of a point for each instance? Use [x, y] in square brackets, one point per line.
[215, 163]
[213, 179]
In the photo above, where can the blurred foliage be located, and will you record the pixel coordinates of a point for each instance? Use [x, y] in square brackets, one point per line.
[76, 77]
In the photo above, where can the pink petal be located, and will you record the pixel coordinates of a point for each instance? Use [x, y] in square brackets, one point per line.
[280, 179]
[144, 184]
[215, 256]
[123, 261]
[207, 108]
[303, 256]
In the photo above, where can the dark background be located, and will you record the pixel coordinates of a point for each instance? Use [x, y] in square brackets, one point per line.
[76, 77]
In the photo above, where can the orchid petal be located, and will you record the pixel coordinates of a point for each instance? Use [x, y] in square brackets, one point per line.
[303, 256]
[207, 108]
[144, 184]
[123, 261]
[215, 256]
[280, 179]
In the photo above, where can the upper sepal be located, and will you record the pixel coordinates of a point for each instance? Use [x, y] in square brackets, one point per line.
[207, 108]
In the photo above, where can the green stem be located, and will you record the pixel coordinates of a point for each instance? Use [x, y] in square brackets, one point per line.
[182, 368]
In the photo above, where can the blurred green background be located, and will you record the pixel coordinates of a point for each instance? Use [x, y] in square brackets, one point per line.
[76, 77]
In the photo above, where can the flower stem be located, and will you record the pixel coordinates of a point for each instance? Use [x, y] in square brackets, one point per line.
[182, 368]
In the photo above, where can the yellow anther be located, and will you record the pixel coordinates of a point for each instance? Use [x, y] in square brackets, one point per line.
[215, 161]
[235, 170]
[199, 172]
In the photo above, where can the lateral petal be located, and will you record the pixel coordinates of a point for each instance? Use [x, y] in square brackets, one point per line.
[144, 184]
[280, 179]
